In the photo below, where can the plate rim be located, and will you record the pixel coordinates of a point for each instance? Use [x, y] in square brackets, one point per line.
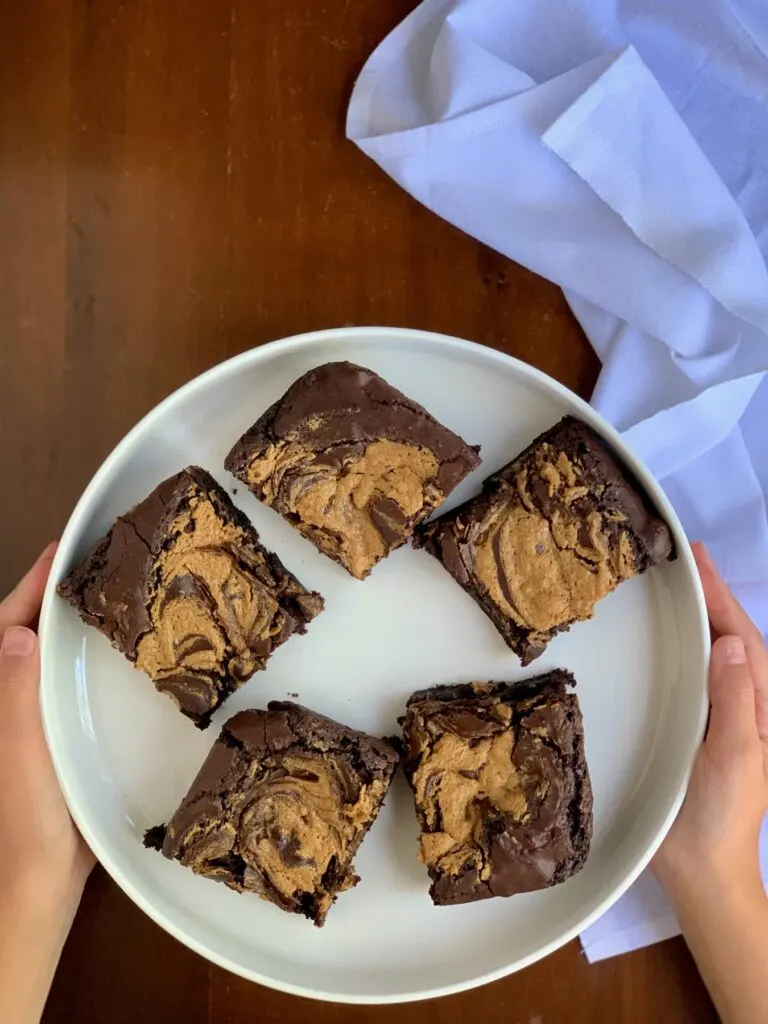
[346, 336]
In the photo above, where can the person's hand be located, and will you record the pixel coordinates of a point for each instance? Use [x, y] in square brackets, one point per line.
[42, 856]
[709, 863]
[716, 835]
[44, 863]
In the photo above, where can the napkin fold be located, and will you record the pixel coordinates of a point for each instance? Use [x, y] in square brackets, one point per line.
[620, 150]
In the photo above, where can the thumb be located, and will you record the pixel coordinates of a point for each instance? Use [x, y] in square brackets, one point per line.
[733, 722]
[19, 678]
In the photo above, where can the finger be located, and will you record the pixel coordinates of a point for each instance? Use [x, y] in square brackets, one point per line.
[23, 603]
[725, 613]
[19, 679]
[732, 721]
[22, 741]
[728, 617]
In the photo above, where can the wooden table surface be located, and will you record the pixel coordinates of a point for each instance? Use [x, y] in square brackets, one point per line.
[175, 187]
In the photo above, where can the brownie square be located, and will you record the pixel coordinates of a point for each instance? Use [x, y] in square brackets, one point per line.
[351, 462]
[183, 588]
[501, 786]
[552, 533]
[280, 807]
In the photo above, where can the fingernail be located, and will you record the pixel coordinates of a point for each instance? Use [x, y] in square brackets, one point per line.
[701, 552]
[18, 642]
[733, 650]
[49, 550]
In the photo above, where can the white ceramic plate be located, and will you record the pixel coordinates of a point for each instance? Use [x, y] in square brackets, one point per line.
[125, 756]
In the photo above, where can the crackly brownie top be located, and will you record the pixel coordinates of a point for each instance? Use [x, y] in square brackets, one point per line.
[183, 588]
[497, 775]
[351, 461]
[554, 532]
[280, 803]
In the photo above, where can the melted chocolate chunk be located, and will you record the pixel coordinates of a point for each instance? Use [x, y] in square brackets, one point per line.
[280, 807]
[501, 786]
[351, 462]
[182, 587]
[551, 534]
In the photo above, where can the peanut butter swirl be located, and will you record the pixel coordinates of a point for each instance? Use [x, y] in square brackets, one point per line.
[545, 563]
[355, 502]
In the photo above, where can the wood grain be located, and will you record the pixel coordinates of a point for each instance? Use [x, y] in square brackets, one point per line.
[175, 187]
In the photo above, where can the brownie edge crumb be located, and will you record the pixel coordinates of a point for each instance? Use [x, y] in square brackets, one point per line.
[154, 837]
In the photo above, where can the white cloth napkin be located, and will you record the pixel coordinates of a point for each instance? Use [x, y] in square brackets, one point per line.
[619, 149]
